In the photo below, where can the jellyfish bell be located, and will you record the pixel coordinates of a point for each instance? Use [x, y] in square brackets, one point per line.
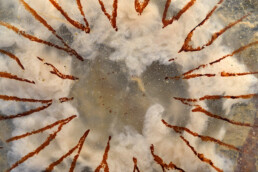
[112, 81]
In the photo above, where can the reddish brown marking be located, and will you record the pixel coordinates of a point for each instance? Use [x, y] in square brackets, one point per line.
[140, 6]
[112, 18]
[172, 59]
[226, 74]
[201, 156]
[204, 138]
[50, 28]
[174, 77]
[11, 76]
[135, 168]
[185, 99]
[35, 39]
[222, 58]
[50, 138]
[222, 74]
[65, 99]
[56, 72]
[18, 99]
[40, 59]
[78, 146]
[198, 75]
[25, 113]
[200, 109]
[73, 22]
[12, 56]
[104, 163]
[163, 165]
[215, 97]
[167, 22]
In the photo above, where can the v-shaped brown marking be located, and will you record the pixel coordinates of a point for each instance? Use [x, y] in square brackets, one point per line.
[18, 99]
[187, 47]
[163, 165]
[112, 18]
[140, 6]
[135, 168]
[70, 20]
[50, 28]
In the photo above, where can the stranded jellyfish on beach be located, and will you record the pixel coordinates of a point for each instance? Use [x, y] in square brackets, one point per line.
[128, 85]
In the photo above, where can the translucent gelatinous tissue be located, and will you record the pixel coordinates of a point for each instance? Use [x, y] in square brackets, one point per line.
[124, 85]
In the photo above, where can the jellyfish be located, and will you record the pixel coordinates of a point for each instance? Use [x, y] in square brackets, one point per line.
[127, 85]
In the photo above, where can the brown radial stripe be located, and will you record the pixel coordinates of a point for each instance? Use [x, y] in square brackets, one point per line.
[37, 131]
[204, 138]
[18, 99]
[38, 109]
[201, 156]
[104, 163]
[200, 109]
[112, 18]
[185, 99]
[227, 74]
[198, 75]
[15, 77]
[56, 72]
[215, 97]
[50, 28]
[163, 165]
[50, 138]
[167, 22]
[135, 168]
[140, 6]
[222, 74]
[12, 56]
[65, 99]
[78, 146]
